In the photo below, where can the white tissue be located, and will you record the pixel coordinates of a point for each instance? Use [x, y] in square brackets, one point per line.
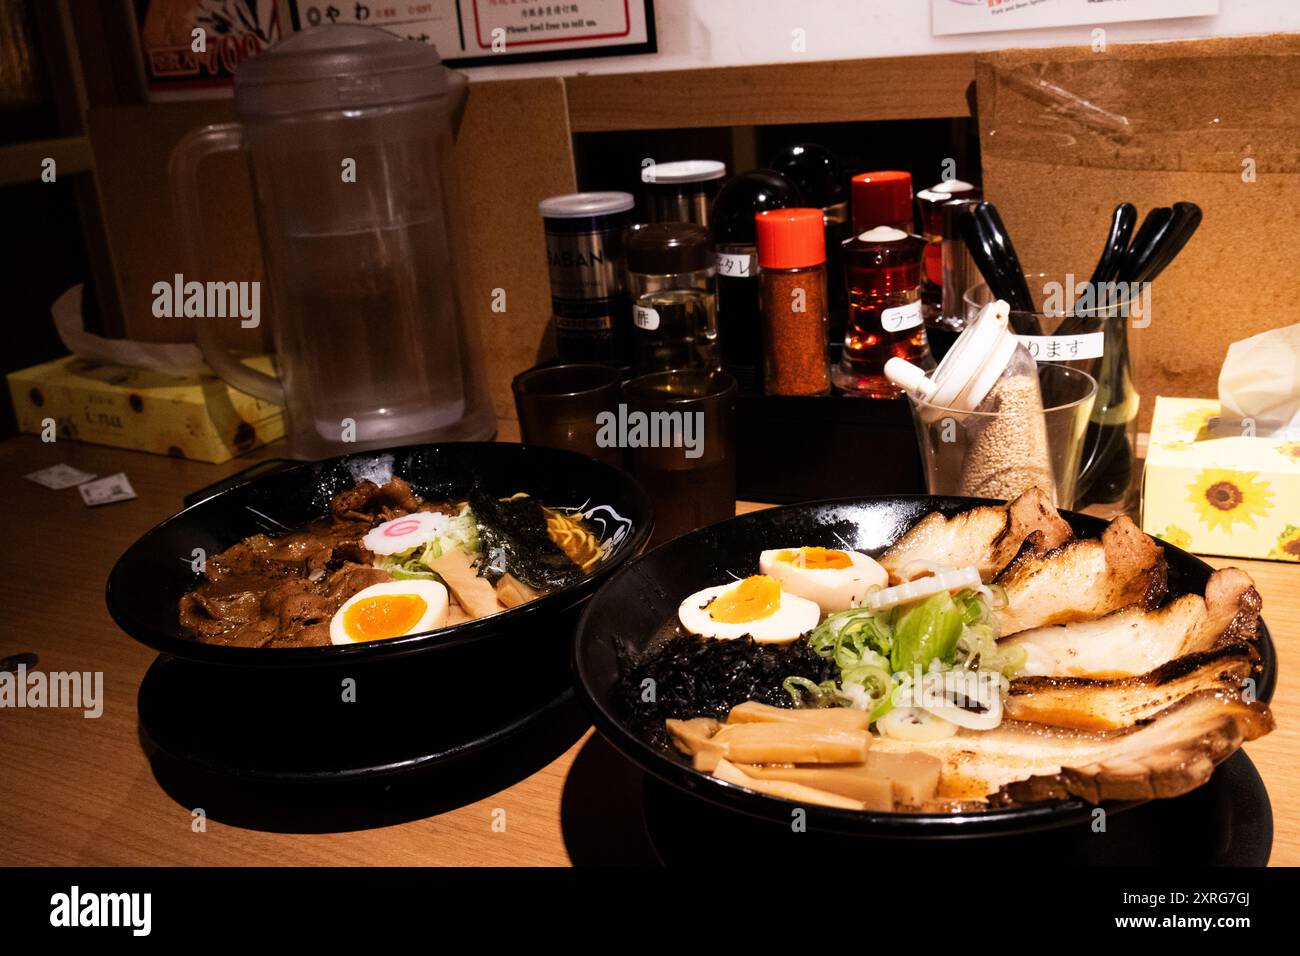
[1259, 386]
[173, 358]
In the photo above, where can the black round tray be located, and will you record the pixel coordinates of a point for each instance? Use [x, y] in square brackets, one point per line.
[282, 750]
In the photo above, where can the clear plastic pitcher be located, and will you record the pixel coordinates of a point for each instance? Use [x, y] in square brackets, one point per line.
[348, 134]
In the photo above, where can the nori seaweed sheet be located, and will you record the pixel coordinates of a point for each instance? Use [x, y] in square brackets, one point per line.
[513, 532]
[702, 677]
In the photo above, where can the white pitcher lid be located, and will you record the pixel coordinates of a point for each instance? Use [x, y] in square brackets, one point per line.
[337, 67]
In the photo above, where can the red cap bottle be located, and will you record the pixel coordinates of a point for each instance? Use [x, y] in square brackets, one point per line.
[882, 198]
[792, 291]
[790, 238]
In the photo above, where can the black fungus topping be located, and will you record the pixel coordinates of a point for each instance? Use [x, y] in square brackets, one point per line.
[702, 677]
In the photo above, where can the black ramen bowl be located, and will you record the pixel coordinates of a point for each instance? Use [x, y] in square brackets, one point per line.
[148, 581]
[635, 604]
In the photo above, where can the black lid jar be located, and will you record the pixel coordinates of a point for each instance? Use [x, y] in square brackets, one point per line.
[682, 191]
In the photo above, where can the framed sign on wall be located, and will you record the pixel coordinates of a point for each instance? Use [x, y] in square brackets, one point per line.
[482, 32]
[191, 48]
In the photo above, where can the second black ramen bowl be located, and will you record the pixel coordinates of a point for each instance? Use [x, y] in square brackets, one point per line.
[148, 581]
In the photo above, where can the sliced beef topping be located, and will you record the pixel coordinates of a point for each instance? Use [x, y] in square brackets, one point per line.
[368, 500]
[282, 591]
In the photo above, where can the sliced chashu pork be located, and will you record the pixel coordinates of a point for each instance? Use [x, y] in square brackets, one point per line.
[1089, 704]
[1083, 579]
[987, 537]
[1134, 639]
[1168, 757]
[1174, 752]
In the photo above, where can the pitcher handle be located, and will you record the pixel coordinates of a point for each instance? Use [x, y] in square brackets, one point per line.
[183, 169]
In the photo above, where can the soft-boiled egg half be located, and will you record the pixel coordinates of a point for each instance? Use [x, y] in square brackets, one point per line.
[836, 580]
[756, 606]
[390, 609]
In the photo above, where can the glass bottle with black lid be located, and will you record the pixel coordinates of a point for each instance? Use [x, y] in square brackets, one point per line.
[672, 280]
[739, 318]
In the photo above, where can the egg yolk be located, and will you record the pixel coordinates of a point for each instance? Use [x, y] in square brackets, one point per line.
[383, 616]
[752, 599]
[817, 559]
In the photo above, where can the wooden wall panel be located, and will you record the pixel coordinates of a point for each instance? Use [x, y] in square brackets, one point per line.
[906, 87]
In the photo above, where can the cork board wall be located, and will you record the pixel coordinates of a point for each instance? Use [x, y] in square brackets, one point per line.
[512, 151]
[1066, 134]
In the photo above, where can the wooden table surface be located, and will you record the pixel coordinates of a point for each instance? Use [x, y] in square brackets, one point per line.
[77, 791]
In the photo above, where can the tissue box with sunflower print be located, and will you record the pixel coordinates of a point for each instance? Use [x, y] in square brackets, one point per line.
[1208, 490]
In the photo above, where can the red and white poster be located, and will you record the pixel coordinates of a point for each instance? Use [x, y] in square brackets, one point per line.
[483, 32]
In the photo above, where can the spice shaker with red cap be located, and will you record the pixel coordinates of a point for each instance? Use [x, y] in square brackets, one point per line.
[792, 291]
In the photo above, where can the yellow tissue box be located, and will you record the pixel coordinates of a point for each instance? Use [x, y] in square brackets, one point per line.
[1236, 496]
[187, 416]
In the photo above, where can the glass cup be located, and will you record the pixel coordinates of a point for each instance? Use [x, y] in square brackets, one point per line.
[559, 406]
[680, 432]
[983, 454]
[1087, 328]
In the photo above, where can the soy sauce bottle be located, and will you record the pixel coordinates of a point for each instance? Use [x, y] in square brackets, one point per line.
[740, 336]
[822, 180]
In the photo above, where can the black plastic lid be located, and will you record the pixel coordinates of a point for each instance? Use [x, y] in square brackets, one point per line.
[746, 195]
[666, 248]
[816, 171]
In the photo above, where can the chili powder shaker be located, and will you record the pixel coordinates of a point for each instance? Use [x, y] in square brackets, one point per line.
[792, 290]
[820, 177]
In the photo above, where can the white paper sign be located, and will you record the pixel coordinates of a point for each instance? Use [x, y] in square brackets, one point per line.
[1064, 348]
[989, 16]
[475, 32]
[901, 317]
[105, 491]
[733, 265]
[59, 476]
[644, 318]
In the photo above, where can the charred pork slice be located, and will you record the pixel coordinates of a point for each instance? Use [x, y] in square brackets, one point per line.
[1083, 579]
[1135, 640]
[1173, 752]
[988, 537]
[1091, 704]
